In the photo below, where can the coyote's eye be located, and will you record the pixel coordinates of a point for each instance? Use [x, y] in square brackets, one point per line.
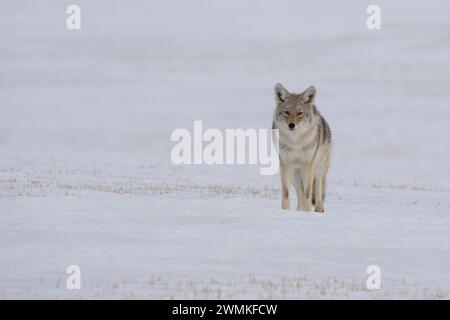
[300, 114]
[287, 113]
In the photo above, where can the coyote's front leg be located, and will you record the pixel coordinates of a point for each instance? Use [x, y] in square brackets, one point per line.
[305, 193]
[285, 172]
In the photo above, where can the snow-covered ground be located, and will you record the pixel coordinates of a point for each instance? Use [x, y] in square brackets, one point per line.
[86, 177]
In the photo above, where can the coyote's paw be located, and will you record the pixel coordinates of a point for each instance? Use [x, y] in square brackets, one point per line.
[319, 210]
[285, 204]
[304, 207]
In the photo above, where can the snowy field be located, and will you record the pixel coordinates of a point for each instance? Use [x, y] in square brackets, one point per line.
[86, 176]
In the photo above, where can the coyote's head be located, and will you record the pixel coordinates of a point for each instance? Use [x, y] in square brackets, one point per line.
[294, 109]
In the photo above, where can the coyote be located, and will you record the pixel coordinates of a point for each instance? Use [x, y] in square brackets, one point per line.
[304, 147]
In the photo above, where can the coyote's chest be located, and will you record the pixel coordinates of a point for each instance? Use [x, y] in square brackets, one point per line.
[301, 148]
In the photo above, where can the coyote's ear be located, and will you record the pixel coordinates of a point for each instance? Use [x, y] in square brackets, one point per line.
[281, 94]
[309, 94]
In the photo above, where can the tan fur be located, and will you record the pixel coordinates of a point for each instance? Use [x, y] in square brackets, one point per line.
[304, 148]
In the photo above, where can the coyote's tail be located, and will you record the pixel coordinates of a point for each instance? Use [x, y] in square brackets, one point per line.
[313, 198]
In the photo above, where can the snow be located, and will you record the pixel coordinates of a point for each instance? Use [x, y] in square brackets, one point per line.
[85, 171]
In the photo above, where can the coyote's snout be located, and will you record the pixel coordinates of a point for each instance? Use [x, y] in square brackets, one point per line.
[304, 147]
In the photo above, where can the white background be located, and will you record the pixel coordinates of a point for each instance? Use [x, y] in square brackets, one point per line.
[85, 171]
